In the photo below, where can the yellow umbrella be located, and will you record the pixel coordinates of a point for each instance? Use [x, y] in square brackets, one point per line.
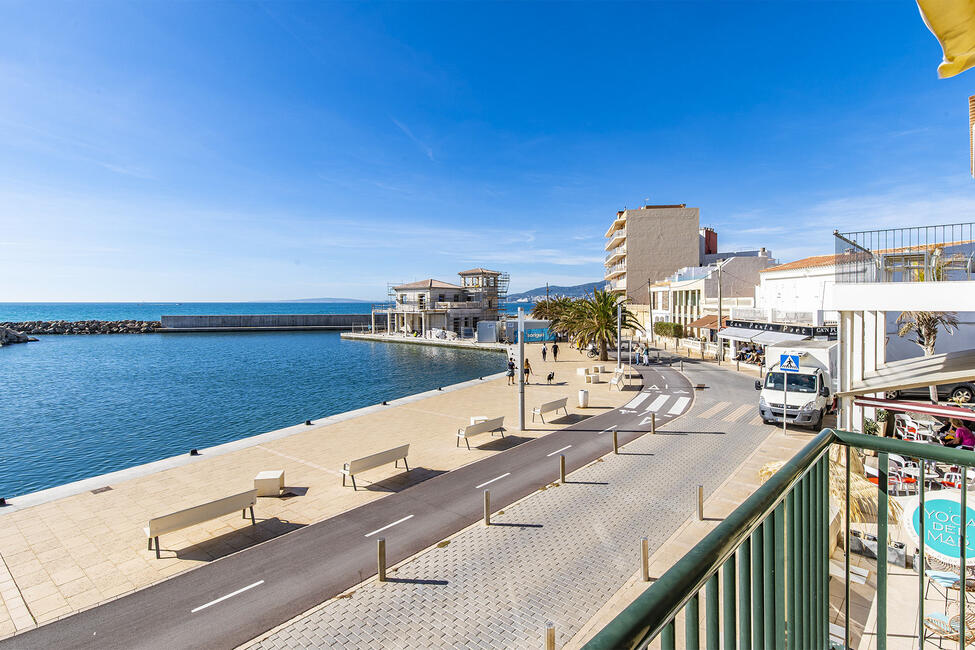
[953, 24]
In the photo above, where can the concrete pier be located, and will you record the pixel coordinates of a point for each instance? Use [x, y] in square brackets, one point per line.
[269, 322]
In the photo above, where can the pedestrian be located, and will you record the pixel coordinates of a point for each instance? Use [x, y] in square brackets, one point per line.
[544, 351]
[511, 371]
[555, 351]
[528, 369]
[646, 356]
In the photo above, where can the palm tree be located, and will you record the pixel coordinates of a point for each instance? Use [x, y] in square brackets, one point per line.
[924, 326]
[554, 310]
[593, 320]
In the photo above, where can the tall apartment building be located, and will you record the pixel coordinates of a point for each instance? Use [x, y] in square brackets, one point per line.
[648, 244]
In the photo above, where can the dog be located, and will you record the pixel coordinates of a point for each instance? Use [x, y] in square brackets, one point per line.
[551, 377]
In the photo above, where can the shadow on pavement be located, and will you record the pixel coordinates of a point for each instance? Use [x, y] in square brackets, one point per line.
[404, 480]
[495, 523]
[500, 444]
[233, 541]
[571, 418]
[417, 581]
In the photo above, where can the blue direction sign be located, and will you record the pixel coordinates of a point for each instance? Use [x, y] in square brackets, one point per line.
[789, 362]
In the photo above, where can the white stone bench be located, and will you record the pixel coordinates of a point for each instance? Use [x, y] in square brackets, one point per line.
[198, 514]
[582, 372]
[548, 407]
[353, 467]
[593, 379]
[492, 425]
[598, 369]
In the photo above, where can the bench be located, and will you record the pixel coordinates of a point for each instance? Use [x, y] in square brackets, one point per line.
[548, 407]
[198, 514]
[593, 379]
[492, 425]
[618, 380]
[353, 467]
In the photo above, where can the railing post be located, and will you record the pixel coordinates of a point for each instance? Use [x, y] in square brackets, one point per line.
[921, 563]
[712, 624]
[791, 565]
[667, 636]
[728, 604]
[692, 623]
[963, 537]
[758, 586]
[780, 573]
[744, 597]
[846, 558]
[883, 480]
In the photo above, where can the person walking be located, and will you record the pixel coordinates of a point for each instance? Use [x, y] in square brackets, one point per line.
[528, 369]
[555, 351]
[544, 351]
[511, 371]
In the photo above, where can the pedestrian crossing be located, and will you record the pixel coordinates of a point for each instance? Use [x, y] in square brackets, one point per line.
[714, 410]
[662, 403]
[738, 412]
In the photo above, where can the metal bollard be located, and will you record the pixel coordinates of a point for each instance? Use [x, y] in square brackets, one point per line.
[682, 365]
[738, 365]
[487, 507]
[616, 440]
[562, 467]
[645, 556]
[381, 548]
[653, 423]
[700, 502]
[550, 636]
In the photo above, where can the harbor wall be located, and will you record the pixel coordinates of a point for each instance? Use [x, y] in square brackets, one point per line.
[243, 322]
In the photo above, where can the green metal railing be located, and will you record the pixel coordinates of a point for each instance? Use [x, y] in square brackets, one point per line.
[780, 539]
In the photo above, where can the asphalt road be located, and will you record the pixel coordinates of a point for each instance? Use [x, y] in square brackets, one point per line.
[236, 598]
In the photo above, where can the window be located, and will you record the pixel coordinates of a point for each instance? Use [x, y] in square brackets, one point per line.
[797, 383]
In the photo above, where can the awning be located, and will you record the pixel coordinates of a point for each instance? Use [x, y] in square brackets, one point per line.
[902, 406]
[738, 334]
[707, 322]
[917, 372]
[772, 338]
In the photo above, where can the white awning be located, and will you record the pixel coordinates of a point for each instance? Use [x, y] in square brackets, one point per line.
[918, 372]
[737, 334]
[771, 338]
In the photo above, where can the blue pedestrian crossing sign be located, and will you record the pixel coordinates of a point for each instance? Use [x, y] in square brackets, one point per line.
[789, 362]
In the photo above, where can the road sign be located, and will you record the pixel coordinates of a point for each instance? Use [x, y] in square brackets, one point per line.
[789, 362]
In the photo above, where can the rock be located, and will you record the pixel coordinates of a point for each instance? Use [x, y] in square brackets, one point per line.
[8, 336]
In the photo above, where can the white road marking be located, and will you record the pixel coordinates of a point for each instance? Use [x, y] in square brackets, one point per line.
[679, 405]
[558, 450]
[681, 392]
[644, 422]
[657, 404]
[495, 479]
[636, 401]
[230, 595]
[654, 387]
[615, 426]
[379, 530]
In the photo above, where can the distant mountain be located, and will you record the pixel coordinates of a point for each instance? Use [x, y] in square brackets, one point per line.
[575, 291]
[326, 300]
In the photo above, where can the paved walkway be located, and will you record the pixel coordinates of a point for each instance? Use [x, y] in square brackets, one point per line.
[558, 555]
[71, 553]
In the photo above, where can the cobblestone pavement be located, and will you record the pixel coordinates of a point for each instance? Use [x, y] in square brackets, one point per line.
[557, 555]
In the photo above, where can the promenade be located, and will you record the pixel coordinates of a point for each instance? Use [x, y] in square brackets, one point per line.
[568, 555]
[68, 554]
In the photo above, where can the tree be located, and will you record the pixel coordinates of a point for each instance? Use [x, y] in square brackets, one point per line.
[554, 310]
[593, 320]
[923, 325]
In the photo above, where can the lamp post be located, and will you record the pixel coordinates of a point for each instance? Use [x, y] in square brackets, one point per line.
[619, 336]
[521, 368]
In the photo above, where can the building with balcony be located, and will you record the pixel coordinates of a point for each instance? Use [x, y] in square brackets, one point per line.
[430, 306]
[648, 244]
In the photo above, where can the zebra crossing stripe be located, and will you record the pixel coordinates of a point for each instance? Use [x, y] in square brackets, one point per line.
[737, 413]
[636, 401]
[714, 410]
[658, 403]
[679, 405]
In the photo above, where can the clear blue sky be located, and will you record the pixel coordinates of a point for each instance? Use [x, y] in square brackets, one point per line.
[234, 151]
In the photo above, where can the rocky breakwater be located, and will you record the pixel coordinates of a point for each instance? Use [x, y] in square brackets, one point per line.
[84, 326]
[9, 336]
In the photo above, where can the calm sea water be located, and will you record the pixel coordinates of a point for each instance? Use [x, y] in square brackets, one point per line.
[26, 311]
[72, 407]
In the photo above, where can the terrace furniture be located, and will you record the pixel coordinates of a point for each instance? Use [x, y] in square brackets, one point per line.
[618, 380]
[593, 379]
[358, 465]
[549, 407]
[198, 514]
[269, 483]
[487, 426]
[943, 628]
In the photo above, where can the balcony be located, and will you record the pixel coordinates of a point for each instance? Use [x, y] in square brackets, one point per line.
[922, 254]
[617, 253]
[615, 270]
[615, 238]
[764, 575]
[618, 222]
[618, 285]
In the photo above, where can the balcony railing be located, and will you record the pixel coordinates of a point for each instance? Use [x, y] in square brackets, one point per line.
[777, 594]
[619, 251]
[921, 254]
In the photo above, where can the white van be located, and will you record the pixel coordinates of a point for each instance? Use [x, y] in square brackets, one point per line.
[809, 391]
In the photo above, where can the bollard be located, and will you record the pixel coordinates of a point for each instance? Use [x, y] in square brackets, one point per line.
[645, 555]
[616, 440]
[700, 503]
[653, 423]
[682, 365]
[487, 507]
[738, 365]
[381, 548]
[562, 467]
[550, 636]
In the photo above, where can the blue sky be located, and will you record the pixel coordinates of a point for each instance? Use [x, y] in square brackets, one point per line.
[235, 151]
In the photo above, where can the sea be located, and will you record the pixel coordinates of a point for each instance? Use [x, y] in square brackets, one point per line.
[76, 406]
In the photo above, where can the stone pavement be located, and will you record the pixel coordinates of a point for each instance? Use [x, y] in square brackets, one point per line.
[71, 553]
[559, 554]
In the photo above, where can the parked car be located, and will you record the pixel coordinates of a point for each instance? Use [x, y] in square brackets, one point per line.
[962, 391]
